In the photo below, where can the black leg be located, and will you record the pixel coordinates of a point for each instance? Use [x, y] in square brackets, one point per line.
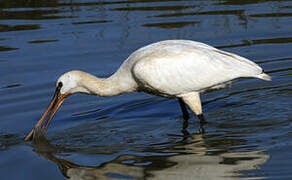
[184, 129]
[186, 117]
[184, 110]
[202, 119]
[202, 123]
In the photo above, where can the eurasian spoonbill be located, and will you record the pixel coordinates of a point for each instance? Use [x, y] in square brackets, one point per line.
[173, 69]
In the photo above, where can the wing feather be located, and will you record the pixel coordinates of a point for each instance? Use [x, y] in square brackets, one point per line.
[179, 67]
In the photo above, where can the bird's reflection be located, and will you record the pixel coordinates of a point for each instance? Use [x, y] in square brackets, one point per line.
[186, 159]
[74, 171]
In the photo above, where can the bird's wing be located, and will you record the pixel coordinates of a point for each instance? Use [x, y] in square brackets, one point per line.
[176, 70]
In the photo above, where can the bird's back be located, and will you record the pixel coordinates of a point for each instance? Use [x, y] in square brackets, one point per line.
[174, 67]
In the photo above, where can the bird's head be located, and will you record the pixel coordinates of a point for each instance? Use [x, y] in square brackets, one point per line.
[68, 84]
[72, 82]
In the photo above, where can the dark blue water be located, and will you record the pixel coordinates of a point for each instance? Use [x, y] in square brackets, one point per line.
[138, 136]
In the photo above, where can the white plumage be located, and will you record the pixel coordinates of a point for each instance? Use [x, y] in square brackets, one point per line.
[172, 68]
[177, 67]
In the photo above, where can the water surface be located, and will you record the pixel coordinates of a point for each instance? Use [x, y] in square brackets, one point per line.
[139, 136]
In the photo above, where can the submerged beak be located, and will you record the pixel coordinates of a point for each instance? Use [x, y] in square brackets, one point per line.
[39, 128]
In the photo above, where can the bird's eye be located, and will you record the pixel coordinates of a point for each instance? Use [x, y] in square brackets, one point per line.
[60, 84]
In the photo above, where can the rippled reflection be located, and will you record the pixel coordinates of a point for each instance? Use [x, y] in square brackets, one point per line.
[180, 161]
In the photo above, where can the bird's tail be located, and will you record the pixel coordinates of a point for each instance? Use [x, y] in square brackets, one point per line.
[264, 76]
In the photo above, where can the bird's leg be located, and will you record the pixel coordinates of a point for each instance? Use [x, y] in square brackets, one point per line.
[184, 129]
[202, 129]
[184, 110]
[194, 102]
[202, 119]
[186, 117]
[202, 123]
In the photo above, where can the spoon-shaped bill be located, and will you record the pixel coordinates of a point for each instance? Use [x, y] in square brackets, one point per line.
[56, 102]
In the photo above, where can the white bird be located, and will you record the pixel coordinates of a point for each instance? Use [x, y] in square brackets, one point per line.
[172, 69]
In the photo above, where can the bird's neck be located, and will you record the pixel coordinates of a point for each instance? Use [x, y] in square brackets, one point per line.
[116, 84]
